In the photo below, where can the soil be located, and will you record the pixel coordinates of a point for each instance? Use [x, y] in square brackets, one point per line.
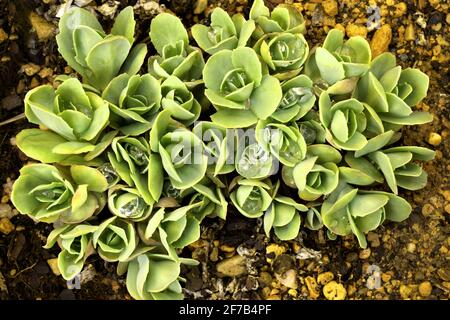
[409, 260]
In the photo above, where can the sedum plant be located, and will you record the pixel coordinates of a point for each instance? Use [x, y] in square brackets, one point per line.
[99, 57]
[132, 162]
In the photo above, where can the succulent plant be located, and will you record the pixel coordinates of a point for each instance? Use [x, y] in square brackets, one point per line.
[128, 203]
[284, 217]
[177, 98]
[349, 210]
[174, 230]
[346, 122]
[47, 194]
[224, 32]
[265, 128]
[154, 277]
[181, 152]
[76, 246]
[298, 98]
[134, 102]
[336, 64]
[284, 53]
[285, 143]
[219, 142]
[283, 18]
[251, 197]
[75, 119]
[395, 165]
[98, 57]
[391, 92]
[135, 164]
[237, 88]
[175, 56]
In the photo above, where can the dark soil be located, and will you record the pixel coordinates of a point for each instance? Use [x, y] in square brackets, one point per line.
[410, 255]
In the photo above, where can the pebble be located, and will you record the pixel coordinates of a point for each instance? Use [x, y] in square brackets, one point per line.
[374, 239]
[409, 33]
[381, 40]
[386, 277]
[334, 291]
[356, 30]
[53, 264]
[365, 254]
[6, 211]
[45, 73]
[352, 256]
[405, 291]
[325, 277]
[400, 9]
[288, 279]
[30, 69]
[226, 248]
[427, 209]
[276, 249]
[411, 247]
[3, 35]
[6, 226]
[434, 139]
[330, 7]
[425, 289]
[447, 208]
[313, 287]
[232, 267]
[214, 255]
[200, 6]
[44, 29]
[265, 279]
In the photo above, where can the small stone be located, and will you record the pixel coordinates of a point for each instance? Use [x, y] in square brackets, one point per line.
[334, 291]
[45, 73]
[274, 297]
[411, 247]
[265, 279]
[274, 250]
[226, 248]
[425, 289]
[30, 69]
[434, 139]
[53, 264]
[293, 293]
[444, 273]
[352, 256]
[447, 208]
[34, 83]
[200, 6]
[386, 277]
[6, 226]
[288, 279]
[313, 287]
[381, 40]
[3, 35]
[356, 30]
[374, 239]
[325, 277]
[5, 210]
[214, 255]
[427, 209]
[409, 33]
[109, 8]
[330, 7]
[447, 18]
[365, 254]
[400, 9]
[232, 267]
[44, 29]
[405, 291]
